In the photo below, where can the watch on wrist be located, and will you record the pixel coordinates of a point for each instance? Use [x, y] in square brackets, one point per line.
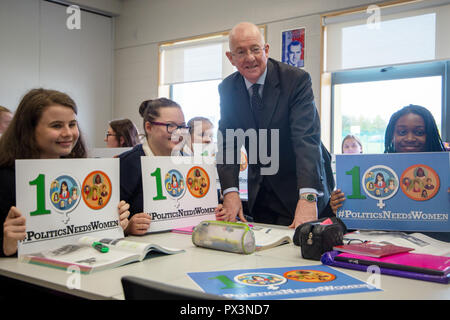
[310, 197]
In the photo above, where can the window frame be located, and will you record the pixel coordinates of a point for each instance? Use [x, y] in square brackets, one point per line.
[394, 72]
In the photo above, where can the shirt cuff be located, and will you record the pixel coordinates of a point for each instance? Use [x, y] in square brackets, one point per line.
[309, 190]
[232, 189]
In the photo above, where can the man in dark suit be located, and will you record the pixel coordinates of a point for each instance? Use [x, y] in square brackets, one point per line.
[283, 103]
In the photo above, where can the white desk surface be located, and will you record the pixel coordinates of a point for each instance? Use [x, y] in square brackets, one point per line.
[173, 269]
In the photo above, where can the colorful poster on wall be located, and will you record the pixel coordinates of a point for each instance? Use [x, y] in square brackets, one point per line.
[402, 191]
[293, 47]
[65, 199]
[178, 192]
[279, 283]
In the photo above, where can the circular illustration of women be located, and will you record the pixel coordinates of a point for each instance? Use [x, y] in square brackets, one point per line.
[174, 184]
[97, 190]
[380, 183]
[420, 182]
[61, 193]
[261, 279]
[309, 276]
[198, 182]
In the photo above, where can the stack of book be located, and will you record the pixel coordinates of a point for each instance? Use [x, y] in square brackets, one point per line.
[424, 258]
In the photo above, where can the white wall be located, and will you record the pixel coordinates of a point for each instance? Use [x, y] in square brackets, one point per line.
[145, 23]
[38, 50]
[109, 7]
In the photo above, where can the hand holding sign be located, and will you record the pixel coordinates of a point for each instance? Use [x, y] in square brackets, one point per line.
[13, 230]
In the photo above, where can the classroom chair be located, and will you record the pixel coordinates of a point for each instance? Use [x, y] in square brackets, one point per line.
[142, 289]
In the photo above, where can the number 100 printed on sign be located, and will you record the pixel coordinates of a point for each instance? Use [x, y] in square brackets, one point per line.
[64, 199]
[178, 195]
[402, 191]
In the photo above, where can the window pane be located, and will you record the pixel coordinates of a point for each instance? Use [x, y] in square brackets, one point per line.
[199, 99]
[364, 108]
[394, 41]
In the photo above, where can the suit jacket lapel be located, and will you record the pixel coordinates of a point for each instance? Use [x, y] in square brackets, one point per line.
[271, 94]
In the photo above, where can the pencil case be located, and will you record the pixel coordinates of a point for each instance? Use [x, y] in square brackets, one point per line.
[224, 236]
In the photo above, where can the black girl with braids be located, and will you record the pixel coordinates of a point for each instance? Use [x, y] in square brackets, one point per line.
[412, 129]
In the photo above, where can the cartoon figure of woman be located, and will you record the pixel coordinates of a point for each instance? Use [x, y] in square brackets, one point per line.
[181, 185]
[406, 182]
[370, 186]
[98, 181]
[429, 185]
[379, 181]
[87, 190]
[104, 193]
[64, 192]
[391, 184]
[174, 181]
[420, 173]
[74, 193]
[54, 185]
[416, 187]
[203, 182]
[94, 194]
[424, 194]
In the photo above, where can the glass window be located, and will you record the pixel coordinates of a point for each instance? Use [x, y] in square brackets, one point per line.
[408, 39]
[366, 107]
[199, 99]
[363, 100]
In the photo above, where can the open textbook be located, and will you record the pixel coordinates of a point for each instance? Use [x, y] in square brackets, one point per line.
[418, 241]
[88, 259]
[266, 237]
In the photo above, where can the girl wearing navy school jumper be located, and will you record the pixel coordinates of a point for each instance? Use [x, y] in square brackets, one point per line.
[411, 129]
[164, 127]
[44, 126]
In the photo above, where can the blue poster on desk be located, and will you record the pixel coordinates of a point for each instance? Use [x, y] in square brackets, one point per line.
[400, 191]
[279, 283]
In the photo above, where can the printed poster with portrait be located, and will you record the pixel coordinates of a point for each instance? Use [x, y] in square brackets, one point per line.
[401, 191]
[65, 199]
[293, 47]
[178, 192]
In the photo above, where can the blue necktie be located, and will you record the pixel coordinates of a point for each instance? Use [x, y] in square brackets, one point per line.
[256, 102]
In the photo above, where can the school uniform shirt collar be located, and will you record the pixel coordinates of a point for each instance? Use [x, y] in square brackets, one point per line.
[149, 153]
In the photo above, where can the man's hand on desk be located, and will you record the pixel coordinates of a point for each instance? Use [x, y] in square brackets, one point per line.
[232, 206]
[306, 211]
